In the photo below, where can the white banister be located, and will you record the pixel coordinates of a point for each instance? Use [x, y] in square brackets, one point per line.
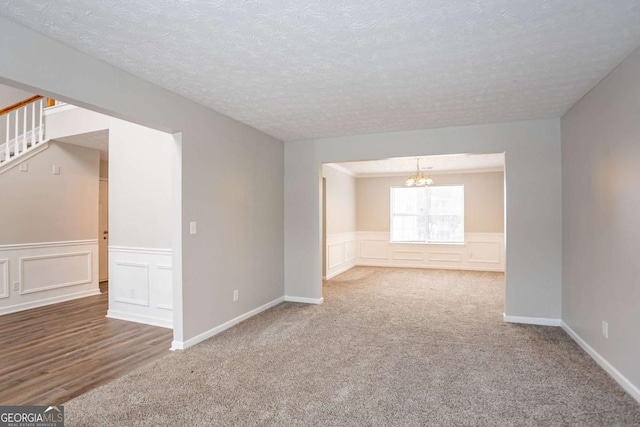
[41, 128]
[24, 128]
[15, 140]
[6, 145]
[33, 124]
[21, 137]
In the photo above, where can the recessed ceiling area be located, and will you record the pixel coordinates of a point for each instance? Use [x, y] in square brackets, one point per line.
[299, 70]
[98, 140]
[429, 164]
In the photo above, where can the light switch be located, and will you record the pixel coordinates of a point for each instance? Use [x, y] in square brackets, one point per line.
[24, 167]
[192, 227]
[56, 170]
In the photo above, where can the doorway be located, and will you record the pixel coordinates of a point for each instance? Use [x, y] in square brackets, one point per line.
[378, 217]
[103, 228]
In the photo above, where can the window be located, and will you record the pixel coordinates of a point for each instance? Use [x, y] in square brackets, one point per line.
[427, 214]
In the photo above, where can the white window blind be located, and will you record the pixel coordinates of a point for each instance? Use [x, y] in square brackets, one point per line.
[427, 214]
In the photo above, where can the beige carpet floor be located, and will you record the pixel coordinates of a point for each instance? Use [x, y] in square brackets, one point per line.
[390, 347]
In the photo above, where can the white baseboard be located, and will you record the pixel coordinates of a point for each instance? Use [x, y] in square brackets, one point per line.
[140, 318]
[543, 321]
[182, 345]
[339, 271]
[48, 301]
[304, 300]
[624, 382]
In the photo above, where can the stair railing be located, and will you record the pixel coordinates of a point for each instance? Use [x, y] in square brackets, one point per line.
[24, 138]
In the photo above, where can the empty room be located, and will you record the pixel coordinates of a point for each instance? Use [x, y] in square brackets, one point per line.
[373, 213]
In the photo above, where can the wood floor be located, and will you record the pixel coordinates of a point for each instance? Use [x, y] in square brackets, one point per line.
[52, 354]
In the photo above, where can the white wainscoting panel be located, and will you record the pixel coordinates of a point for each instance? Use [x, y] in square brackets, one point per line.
[4, 278]
[41, 273]
[341, 253]
[37, 274]
[141, 285]
[373, 248]
[136, 277]
[164, 279]
[454, 255]
[480, 251]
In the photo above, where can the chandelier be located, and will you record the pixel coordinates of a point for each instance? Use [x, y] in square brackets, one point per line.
[417, 179]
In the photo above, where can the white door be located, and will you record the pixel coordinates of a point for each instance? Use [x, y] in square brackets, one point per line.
[103, 237]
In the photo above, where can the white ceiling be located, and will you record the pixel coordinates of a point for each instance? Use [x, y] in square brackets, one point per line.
[98, 140]
[429, 164]
[298, 70]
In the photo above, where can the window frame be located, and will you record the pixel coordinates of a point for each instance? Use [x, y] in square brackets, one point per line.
[426, 215]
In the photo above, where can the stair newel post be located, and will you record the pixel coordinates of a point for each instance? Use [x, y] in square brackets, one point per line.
[6, 145]
[41, 129]
[33, 124]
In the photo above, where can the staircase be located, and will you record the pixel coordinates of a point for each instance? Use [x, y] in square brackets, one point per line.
[24, 131]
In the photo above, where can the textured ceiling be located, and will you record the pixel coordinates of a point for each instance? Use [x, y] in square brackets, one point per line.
[299, 70]
[430, 164]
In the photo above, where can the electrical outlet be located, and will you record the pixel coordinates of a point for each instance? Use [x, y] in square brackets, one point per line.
[193, 227]
[24, 167]
[605, 329]
[16, 286]
[56, 170]
[235, 295]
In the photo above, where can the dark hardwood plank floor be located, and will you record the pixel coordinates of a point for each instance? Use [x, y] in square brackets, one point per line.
[52, 354]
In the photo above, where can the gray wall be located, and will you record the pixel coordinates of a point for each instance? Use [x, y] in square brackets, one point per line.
[38, 206]
[231, 180]
[601, 201]
[533, 231]
[10, 95]
[483, 200]
[139, 186]
[341, 201]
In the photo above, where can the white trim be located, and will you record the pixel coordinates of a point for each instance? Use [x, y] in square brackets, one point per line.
[341, 169]
[48, 244]
[479, 252]
[48, 301]
[543, 321]
[303, 300]
[181, 345]
[338, 271]
[22, 260]
[427, 172]
[133, 250]
[5, 263]
[624, 382]
[140, 318]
